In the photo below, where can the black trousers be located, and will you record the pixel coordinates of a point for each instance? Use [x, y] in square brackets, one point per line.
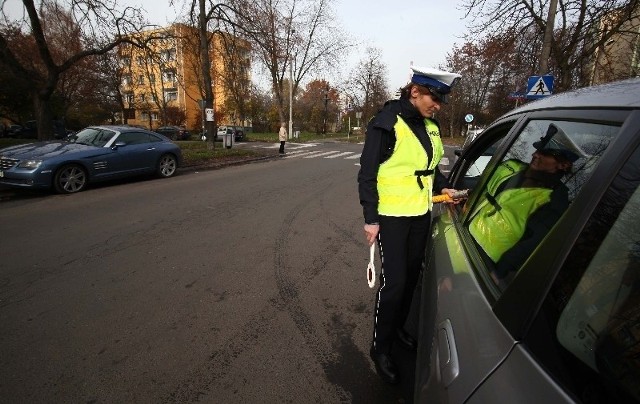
[402, 242]
[281, 150]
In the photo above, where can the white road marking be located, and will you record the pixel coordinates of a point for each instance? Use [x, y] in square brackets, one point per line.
[322, 154]
[339, 155]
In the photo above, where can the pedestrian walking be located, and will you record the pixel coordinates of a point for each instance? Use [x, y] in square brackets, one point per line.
[282, 135]
[398, 174]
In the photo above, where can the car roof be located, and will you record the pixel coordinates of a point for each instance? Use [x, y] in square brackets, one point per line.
[620, 94]
[119, 128]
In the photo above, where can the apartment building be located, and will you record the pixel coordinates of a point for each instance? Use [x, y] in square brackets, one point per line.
[619, 57]
[162, 85]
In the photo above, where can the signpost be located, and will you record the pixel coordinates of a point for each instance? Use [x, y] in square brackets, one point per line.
[539, 86]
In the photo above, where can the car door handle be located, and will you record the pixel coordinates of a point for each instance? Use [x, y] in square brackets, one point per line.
[447, 353]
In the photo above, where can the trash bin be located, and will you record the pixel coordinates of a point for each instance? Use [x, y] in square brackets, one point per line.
[227, 139]
[296, 134]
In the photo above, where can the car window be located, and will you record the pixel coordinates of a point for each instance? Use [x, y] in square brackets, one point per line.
[93, 137]
[593, 308]
[529, 190]
[478, 155]
[131, 138]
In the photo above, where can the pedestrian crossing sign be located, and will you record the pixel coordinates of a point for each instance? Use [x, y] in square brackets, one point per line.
[539, 86]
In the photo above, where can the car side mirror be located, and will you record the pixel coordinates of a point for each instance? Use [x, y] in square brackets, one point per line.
[458, 152]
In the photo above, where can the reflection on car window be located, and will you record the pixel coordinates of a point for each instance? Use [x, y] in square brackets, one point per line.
[594, 304]
[479, 155]
[530, 189]
[93, 137]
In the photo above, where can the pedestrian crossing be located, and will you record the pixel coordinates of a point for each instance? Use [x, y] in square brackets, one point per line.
[305, 151]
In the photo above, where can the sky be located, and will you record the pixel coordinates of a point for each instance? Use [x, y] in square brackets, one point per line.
[405, 31]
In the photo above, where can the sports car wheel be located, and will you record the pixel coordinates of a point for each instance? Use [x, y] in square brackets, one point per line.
[70, 179]
[167, 166]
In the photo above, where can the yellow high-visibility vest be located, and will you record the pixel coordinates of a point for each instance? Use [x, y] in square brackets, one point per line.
[499, 223]
[406, 178]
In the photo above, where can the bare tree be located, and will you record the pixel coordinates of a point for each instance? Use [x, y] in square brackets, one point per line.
[295, 37]
[578, 30]
[368, 88]
[102, 26]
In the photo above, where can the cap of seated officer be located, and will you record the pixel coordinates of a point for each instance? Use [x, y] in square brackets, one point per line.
[438, 82]
[556, 143]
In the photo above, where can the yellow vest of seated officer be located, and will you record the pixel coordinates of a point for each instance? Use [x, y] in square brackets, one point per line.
[497, 229]
[399, 192]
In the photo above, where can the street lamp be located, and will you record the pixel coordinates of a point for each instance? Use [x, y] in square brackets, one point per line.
[326, 102]
[293, 31]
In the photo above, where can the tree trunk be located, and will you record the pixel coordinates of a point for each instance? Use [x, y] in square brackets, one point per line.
[43, 116]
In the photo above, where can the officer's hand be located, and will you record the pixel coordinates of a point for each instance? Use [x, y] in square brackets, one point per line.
[452, 194]
[371, 232]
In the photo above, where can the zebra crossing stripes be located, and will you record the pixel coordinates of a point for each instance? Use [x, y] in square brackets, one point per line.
[333, 156]
[321, 154]
[300, 153]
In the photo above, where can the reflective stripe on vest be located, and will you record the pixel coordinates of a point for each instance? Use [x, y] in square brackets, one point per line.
[500, 221]
[399, 191]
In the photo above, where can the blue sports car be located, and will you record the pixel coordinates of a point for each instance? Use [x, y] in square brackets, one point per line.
[93, 154]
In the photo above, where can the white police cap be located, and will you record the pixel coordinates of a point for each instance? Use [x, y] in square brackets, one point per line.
[438, 82]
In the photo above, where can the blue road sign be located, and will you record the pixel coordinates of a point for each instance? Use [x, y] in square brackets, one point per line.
[539, 86]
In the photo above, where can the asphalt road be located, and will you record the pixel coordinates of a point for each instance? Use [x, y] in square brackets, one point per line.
[239, 285]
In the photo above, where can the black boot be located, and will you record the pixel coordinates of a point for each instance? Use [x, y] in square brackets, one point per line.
[407, 340]
[384, 366]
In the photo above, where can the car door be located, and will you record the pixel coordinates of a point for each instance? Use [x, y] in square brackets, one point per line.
[465, 343]
[583, 339]
[137, 152]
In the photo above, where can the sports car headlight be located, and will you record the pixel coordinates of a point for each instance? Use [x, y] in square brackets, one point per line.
[30, 164]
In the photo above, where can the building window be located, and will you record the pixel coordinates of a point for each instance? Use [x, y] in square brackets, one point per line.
[168, 55]
[126, 80]
[169, 76]
[129, 98]
[145, 116]
[152, 78]
[125, 61]
[170, 95]
[140, 79]
[142, 97]
[140, 61]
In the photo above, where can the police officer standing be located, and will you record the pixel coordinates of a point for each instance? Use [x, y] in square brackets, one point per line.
[398, 174]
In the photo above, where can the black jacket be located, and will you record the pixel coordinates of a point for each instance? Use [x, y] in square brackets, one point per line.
[378, 146]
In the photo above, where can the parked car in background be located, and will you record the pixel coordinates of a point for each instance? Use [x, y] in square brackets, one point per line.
[222, 131]
[563, 325]
[93, 154]
[12, 130]
[238, 135]
[174, 132]
[30, 130]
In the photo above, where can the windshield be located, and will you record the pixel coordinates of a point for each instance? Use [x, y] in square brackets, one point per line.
[92, 137]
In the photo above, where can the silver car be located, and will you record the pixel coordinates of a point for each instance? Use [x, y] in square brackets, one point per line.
[564, 326]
